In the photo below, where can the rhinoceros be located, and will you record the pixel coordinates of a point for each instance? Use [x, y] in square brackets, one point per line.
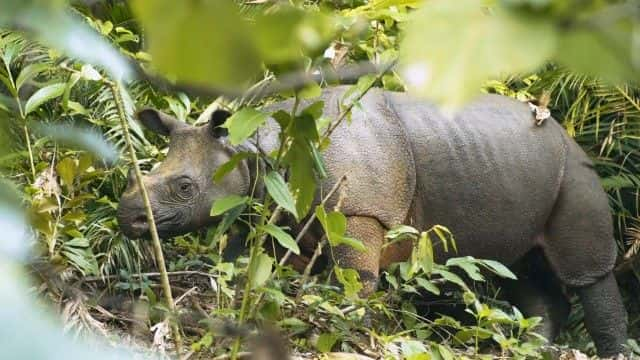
[503, 185]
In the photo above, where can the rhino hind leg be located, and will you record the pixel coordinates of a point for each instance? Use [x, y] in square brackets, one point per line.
[371, 232]
[538, 292]
[579, 245]
[605, 315]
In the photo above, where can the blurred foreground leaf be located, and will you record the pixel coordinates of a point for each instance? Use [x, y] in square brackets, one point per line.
[80, 138]
[53, 25]
[201, 42]
[452, 47]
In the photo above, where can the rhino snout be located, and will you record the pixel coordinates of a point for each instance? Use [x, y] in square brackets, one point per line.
[133, 222]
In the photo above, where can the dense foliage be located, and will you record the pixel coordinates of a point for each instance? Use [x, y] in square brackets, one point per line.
[72, 75]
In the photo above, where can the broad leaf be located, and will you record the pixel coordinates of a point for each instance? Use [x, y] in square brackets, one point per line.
[243, 124]
[227, 203]
[428, 285]
[468, 264]
[335, 226]
[452, 47]
[260, 270]
[282, 237]
[279, 191]
[498, 269]
[301, 177]
[43, 95]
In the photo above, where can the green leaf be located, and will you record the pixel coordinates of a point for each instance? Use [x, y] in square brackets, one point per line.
[310, 91]
[66, 169]
[451, 277]
[326, 341]
[350, 280]
[227, 203]
[43, 95]
[260, 270]
[314, 110]
[243, 124]
[468, 264]
[200, 42]
[283, 237]
[29, 72]
[279, 191]
[335, 226]
[452, 47]
[498, 269]
[227, 167]
[301, 177]
[428, 285]
[401, 232]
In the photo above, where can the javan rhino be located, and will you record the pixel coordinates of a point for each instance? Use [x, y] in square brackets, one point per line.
[504, 187]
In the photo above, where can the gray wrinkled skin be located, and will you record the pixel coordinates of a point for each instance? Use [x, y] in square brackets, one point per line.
[501, 184]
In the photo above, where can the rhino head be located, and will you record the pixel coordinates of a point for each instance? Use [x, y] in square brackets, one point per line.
[181, 189]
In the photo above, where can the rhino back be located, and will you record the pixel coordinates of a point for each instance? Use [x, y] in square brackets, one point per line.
[488, 173]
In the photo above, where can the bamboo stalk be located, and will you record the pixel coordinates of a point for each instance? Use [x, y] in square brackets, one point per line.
[157, 246]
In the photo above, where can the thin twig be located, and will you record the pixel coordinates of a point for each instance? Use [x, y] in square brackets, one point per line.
[307, 270]
[157, 246]
[312, 217]
[291, 81]
[353, 103]
[149, 274]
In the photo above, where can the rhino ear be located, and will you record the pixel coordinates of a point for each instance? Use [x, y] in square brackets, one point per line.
[218, 118]
[159, 122]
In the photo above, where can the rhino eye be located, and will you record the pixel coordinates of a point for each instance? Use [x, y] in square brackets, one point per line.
[184, 188]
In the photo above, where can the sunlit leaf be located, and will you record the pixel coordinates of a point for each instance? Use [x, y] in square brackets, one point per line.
[350, 281]
[326, 341]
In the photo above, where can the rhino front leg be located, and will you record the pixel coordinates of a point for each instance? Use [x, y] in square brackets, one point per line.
[371, 233]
